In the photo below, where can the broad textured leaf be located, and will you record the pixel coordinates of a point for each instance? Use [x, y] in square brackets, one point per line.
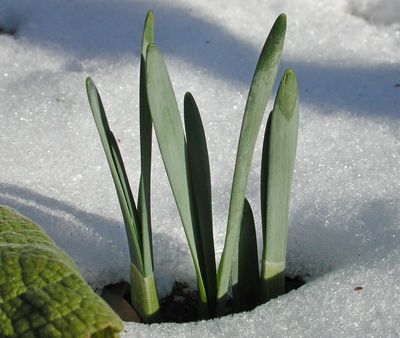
[278, 160]
[259, 93]
[42, 293]
[199, 171]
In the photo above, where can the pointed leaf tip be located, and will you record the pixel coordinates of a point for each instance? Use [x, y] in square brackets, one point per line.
[287, 97]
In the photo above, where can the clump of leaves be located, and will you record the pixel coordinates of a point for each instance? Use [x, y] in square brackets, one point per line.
[185, 156]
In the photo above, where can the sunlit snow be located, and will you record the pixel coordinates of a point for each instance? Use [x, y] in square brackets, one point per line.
[345, 210]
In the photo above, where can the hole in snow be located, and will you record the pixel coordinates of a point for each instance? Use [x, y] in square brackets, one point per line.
[9, 30]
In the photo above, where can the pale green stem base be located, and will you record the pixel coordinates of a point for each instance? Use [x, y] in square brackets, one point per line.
[144, 296]
[272, 280]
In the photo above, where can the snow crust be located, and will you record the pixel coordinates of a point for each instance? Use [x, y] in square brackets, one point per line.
[344, 218]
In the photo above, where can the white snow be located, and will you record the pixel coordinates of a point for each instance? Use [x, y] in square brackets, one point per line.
[345, 221]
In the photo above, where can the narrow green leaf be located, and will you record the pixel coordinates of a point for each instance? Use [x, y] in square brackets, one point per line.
[260, 90]
[199, 171]
[278, 160]
[118, 173]
[171, 141]
[245, 271]
[42, 293]
[145, 151]
[148, 32]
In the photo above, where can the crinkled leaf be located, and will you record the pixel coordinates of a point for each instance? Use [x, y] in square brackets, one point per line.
[42, 293]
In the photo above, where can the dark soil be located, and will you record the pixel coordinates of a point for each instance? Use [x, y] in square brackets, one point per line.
[181, 304]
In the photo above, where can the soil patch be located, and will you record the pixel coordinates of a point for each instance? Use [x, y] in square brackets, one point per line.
[179, 306]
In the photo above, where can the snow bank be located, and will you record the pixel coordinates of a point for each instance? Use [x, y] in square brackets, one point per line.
[344, 223]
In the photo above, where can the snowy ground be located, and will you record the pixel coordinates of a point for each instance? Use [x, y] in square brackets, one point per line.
[344, 224]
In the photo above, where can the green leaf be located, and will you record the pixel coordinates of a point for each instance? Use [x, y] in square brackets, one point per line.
[148, 32]
[257, 100]
[200, 179]
[171, 141]
[245, 271]
[144, 295]
[278, 160]
[42, 293]
[139, 241]
[145, 152]
[119, 176]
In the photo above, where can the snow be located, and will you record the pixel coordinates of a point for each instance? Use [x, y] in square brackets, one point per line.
[344, 215]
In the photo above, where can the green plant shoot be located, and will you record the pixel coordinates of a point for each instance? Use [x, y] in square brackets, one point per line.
[137, 220]
[260, 89]
[183, 174]
[185, 157]
[279, 152]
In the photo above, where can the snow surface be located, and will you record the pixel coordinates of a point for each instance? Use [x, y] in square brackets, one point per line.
[344, 222]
